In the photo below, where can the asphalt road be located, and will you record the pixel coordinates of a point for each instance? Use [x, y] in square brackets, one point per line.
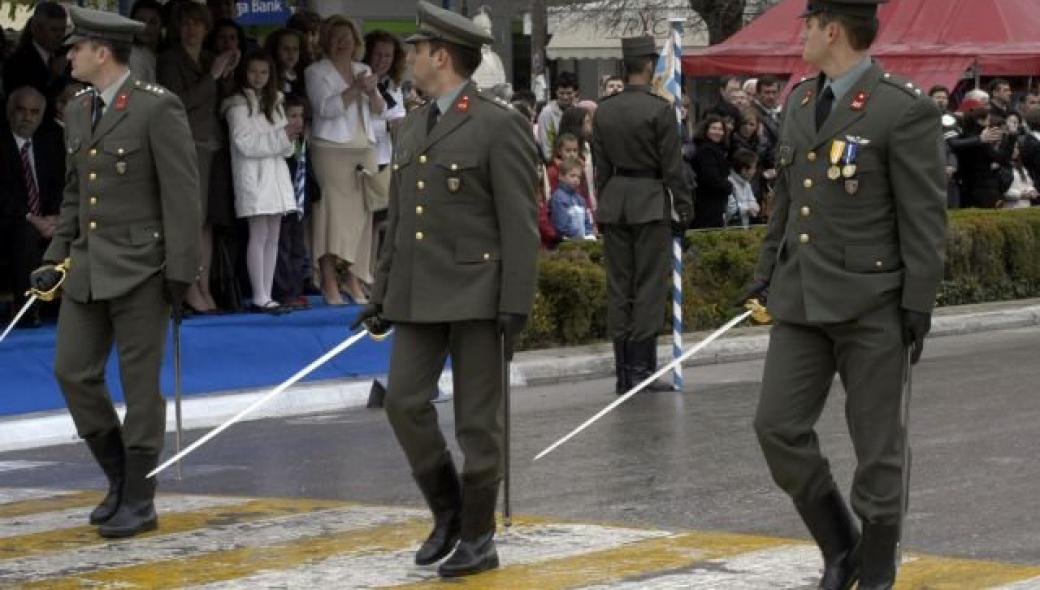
[668, 460]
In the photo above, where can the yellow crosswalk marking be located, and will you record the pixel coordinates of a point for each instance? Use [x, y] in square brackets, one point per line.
[27, 507]
[944, 573]
[84, 536]
[237, 563]
[601, 567]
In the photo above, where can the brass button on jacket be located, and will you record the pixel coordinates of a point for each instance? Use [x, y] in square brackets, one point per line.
[804, 238]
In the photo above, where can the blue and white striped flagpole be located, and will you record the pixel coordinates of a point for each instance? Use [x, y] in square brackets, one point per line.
[668, 77]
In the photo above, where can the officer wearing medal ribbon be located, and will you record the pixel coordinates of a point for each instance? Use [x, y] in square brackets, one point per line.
[643, 197]
[851, 263]
[129, 227]
[457, 275]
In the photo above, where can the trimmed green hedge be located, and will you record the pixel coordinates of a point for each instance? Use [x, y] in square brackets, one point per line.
[990, 256]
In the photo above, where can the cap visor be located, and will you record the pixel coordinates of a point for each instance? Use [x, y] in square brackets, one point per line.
[416, 37]
[74, 38]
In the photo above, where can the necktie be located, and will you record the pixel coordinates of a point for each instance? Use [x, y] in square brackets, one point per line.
[435, 113]
[99, 109]
[31, 189]
[384, 91]
[300, 180]
[823, 106]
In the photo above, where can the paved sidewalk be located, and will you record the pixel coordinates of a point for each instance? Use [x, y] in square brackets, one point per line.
[529, 368]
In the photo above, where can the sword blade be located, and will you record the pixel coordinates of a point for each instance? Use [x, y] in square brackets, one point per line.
[18, 316]
[904, 425]
[507, 508]
[692, 351]
[253, 406]
[177, 388]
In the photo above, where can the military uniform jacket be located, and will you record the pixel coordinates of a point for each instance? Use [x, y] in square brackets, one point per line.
[131, 206]
[462, 242]
[638, 159]
[835, 247]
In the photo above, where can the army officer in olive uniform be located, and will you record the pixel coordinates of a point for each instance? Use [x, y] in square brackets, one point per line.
[456, 275]
[129, 225]
[640, 180]
[852, 261]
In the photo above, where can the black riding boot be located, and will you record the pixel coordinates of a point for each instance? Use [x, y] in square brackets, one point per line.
[642, 361]
[621, 370]
[831, 525]
[878, 556]
[476, 551]
[136, 513]
[443, 493]
[109, 453]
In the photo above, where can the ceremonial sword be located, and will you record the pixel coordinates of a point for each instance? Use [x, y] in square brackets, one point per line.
[177, 386]
[507, 509]
[274, 392]
[754, 308]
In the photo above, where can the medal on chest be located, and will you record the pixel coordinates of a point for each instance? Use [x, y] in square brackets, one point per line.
[837, 151]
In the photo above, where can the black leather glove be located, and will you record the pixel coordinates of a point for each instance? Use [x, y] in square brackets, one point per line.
[371, 317]
[916, 326]
[175, 291]
[44, 278]
[510, 325]
[757, 289]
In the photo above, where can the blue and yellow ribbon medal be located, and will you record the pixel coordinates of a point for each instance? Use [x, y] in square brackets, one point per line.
[851, 150]
[837, 152]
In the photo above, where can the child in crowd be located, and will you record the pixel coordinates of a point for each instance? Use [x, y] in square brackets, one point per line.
[286, 46]
[569, 212]
[263, 188]
[742, 206]
[567, 147]
[1022, 190]
[293, 267]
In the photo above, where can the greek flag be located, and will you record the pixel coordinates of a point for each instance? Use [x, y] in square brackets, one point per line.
[668, 75]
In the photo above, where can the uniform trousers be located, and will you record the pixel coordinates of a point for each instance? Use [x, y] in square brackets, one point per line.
[417, 359]
[638, 262]
[137, 323]
[869, 355]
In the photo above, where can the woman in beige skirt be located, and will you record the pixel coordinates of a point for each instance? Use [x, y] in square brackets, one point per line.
[346, 103]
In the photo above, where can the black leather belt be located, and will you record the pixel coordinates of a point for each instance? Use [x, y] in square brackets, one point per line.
[629, 173]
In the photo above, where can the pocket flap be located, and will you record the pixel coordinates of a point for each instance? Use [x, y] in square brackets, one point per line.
[120, 147]
[455, 161]
[470, 251]
[872, 258]
[145, 235]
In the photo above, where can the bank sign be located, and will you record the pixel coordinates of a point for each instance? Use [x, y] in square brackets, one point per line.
[263, 12]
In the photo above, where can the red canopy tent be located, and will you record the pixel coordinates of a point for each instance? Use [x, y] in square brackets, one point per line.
[928, 41]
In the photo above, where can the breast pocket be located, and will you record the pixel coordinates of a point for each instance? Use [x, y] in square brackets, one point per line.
[456, 173]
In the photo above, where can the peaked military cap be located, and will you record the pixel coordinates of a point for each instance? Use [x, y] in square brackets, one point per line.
[88, 23]
[638, 47]
[444, 25]
[860, 8]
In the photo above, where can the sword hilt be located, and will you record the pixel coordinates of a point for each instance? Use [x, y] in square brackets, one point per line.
[759, 313]
[62, 268]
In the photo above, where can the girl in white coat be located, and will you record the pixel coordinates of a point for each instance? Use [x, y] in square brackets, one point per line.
[263, 188]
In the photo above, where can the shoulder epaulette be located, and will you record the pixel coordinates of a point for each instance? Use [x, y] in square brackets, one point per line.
[151, 87]
[85, 90]
[495, 100]
[902, 84]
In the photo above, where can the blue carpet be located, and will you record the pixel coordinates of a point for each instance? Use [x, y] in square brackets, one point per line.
[219, 353]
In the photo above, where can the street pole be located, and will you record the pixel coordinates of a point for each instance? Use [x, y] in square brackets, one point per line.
[539, 33]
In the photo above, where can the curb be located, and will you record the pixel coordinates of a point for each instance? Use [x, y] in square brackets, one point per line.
[540, 367]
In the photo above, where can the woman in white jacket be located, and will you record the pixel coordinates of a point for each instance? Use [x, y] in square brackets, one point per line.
[263, 189]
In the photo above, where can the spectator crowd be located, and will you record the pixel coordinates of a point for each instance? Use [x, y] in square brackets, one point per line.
[294, 135]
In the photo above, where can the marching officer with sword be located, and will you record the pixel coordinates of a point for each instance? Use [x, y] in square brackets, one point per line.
[457, 275]
[851, 264]
[644, 197]
[129, 228]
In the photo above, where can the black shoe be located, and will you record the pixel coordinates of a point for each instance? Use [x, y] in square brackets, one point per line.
[475, 552]
[623, 382]
[136, 513]
[831, 525]
[109, 453]
[443, 493]
[878, 556]
[641, 356]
